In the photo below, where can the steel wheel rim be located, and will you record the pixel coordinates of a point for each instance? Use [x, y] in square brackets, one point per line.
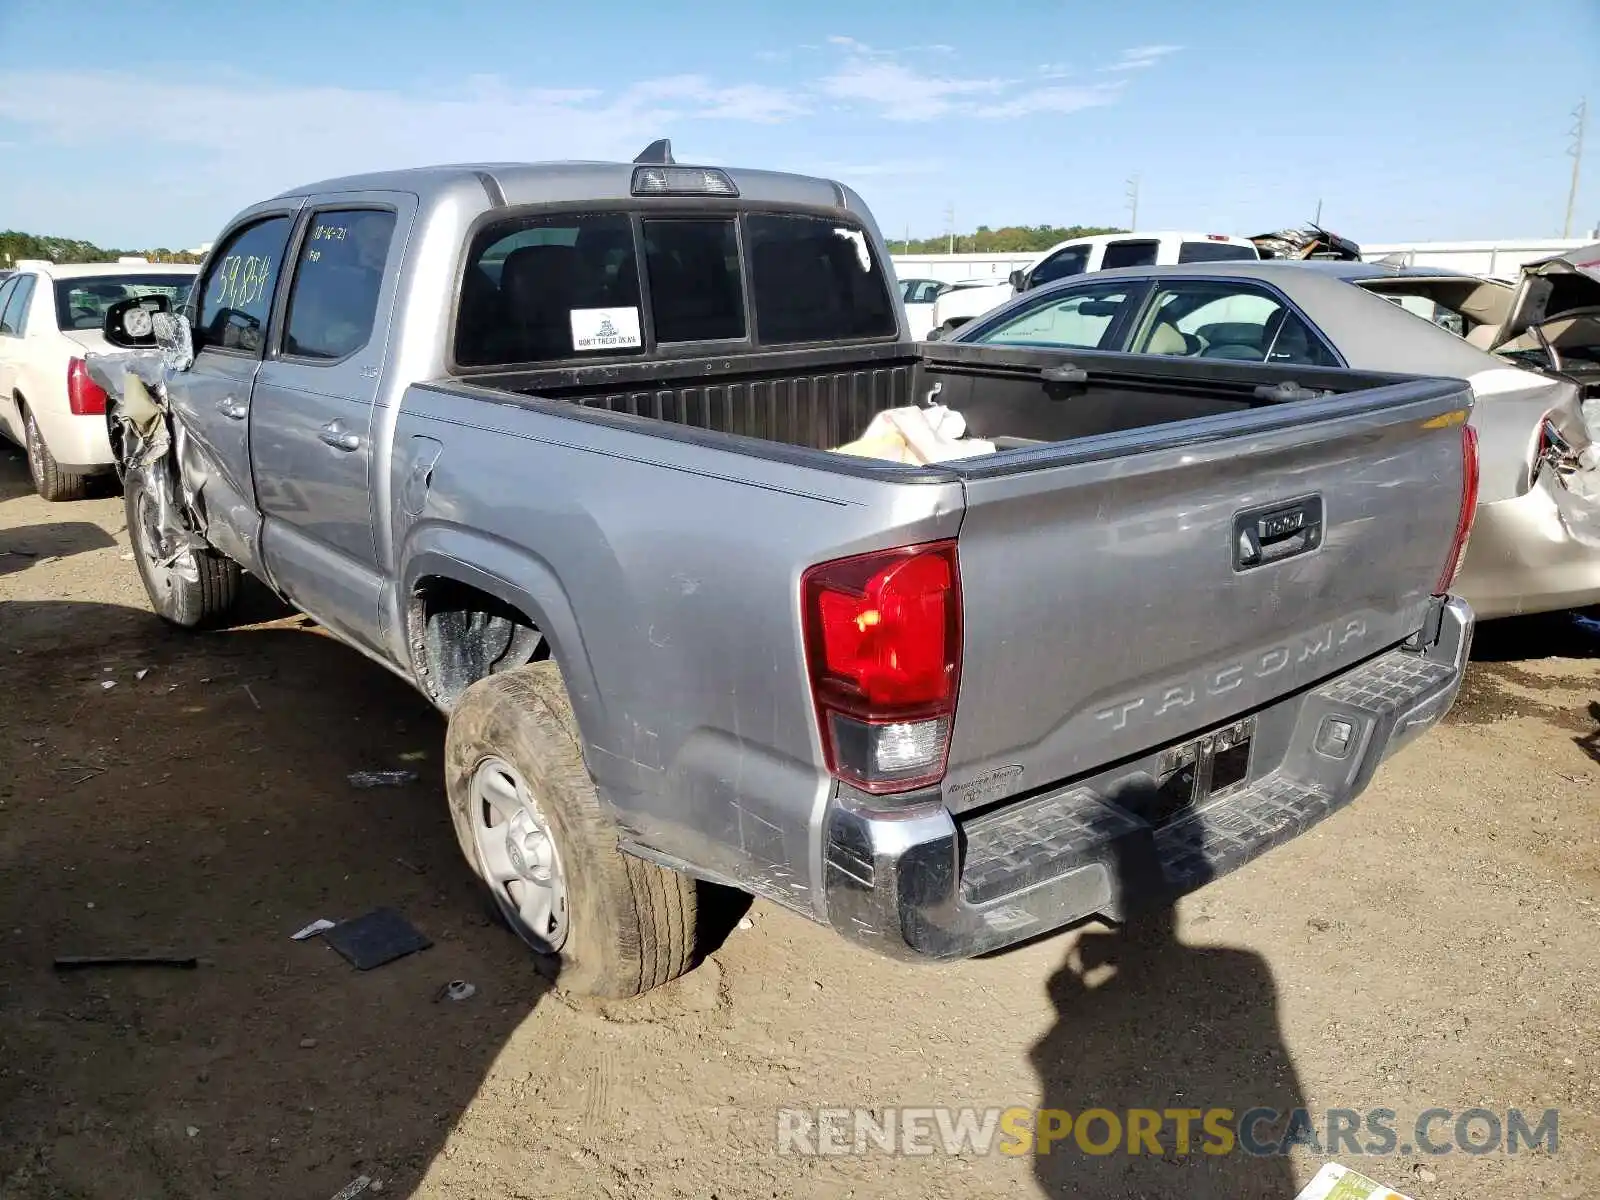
[517, 854]
[149, 538]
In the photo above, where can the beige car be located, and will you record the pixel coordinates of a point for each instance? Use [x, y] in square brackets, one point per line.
[1530, 350]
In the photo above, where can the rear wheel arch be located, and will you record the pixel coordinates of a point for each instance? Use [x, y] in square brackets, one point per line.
[520, 588]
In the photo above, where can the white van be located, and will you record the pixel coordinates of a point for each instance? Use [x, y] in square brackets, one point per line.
[1079, 256]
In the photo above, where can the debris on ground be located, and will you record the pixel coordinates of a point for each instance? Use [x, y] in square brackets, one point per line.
[108, 684]
[380, 937]
[746, 923]
[141, 672]
[457, 989]
[355, 1187]
[79, 962]
[1335, 1182]
[313, 929]
[377, 779]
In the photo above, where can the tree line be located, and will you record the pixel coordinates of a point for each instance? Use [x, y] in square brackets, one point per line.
[15, 246]
[1008, 239]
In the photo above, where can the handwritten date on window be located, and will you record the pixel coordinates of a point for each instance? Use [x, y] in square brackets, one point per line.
[242, 280]
[325, 233]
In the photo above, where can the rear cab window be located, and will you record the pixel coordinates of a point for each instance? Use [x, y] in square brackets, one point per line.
[1140, 252]
[599, 286]
[81, 302]
[1197, 252]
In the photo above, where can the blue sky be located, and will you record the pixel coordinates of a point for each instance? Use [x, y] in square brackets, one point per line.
[150, 123]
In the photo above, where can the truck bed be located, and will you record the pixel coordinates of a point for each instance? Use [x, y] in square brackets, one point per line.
[820, 399]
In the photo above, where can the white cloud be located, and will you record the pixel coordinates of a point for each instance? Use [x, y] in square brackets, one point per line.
[1137, 58]
[292, 133]
[900, 92]
[1058, 99]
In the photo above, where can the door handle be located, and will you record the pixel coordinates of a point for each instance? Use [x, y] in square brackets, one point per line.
[336, 435]
[1066, 373]
[233, 409]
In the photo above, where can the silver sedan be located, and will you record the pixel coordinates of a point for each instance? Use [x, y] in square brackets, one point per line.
[1531, 352]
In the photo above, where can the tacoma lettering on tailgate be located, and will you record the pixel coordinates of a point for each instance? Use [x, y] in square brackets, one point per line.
[1221, 680]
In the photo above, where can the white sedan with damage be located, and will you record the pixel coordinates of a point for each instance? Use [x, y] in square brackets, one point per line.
[51, 317]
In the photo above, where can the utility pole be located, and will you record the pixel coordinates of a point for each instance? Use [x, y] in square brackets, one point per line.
[1133, 203]
[1317, 220]
[950, 228]
[1581, 114]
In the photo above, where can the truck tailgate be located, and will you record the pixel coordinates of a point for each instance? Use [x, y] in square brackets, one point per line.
[1129, 590]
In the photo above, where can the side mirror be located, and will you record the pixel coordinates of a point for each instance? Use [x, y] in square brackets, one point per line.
[175, 340]
[129, 323]
[934, 334]
[1019, 280]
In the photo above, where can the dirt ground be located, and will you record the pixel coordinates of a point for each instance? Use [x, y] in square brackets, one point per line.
[1434, 945]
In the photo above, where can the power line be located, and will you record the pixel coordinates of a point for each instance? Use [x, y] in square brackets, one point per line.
[1581, 114]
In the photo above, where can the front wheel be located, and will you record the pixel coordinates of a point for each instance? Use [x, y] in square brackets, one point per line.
[599, 921]
[196, 588]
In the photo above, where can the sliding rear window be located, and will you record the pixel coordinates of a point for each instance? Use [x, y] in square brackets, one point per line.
[568, 287]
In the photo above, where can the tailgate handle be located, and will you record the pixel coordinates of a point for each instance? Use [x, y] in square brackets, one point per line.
[1276, 532]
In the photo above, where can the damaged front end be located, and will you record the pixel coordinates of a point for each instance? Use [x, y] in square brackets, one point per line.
[144, 438]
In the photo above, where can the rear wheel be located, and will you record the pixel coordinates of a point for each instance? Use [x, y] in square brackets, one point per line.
[531, 824]
[197, 587]
[49, 480]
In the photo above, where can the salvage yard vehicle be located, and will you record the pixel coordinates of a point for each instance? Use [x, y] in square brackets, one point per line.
[1531, 354]
[1084, 255]
[554, 442]
[50, 319]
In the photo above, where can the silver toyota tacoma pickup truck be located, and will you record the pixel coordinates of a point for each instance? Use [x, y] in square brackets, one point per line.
[554, 442]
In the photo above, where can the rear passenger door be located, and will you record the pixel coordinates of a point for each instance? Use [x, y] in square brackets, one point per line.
[311, 419]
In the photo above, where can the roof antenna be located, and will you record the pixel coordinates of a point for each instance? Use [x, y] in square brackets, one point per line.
[657, 153]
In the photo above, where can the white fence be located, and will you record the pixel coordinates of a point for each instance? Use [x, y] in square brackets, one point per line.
[1499, 258]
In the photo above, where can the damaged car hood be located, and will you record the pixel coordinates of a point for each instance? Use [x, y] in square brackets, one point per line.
[1550, 287]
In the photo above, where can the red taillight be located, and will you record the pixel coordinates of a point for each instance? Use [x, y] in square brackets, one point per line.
[84, 396]
[883, 644]
[1469, 509]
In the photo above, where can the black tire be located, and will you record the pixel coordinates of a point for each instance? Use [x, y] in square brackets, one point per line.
[630, 925]
[187, 603]
[49, 480]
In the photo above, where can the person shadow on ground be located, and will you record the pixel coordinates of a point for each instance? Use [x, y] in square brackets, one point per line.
[1144, 1021]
